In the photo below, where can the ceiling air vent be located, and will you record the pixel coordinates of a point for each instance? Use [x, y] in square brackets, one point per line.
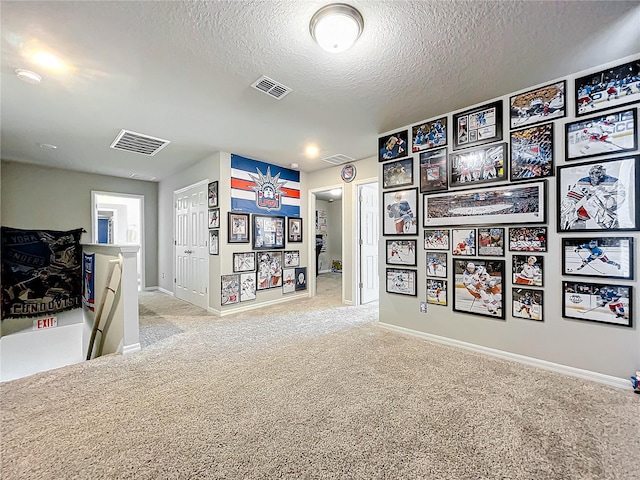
[138, 143]
[338, 159]
[271, 87]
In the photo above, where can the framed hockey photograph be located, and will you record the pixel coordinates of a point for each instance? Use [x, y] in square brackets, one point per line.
[599, 196]
[400, 212]
[294, 230]
[437, 264]
[532, 153]
[433, 171]
[480, 165]
[436, 239]
[238, 228]
[437, 292]
[608, 88]
[229, 289]
[518, 203]
[288, 280]
[538, 105]
[528, 239]
[398, 173]
[393, 146]
[527, 270]
[268, 232]
[244, 262]
[212, 194]
[478, 126]
[269, 270]
[214, 242]
[292, 258]
[610, 257]
[401, 281]
[247, 286]
[527, 303]
[478, 287]
[598, 302]
[463, 242]
[602, 135]
[301, 278]
[214, 218]
[429, 135]
[401, 252]
[491, 242]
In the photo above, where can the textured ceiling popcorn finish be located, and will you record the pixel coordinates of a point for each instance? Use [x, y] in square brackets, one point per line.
[183, 70]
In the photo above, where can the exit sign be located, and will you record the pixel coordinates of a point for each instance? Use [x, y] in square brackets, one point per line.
[47, 322]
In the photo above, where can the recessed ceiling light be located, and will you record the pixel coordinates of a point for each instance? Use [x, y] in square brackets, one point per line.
[336, 27]
[28, 76]
[47, 146]
[311, 150]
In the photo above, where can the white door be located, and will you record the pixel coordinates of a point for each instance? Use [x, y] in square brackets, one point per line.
[191, 249]
[369, 233]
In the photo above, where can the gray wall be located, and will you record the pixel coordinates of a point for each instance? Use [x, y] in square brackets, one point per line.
[49, 198]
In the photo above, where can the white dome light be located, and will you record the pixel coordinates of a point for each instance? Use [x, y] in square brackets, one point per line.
[336, 27]
[28, 76]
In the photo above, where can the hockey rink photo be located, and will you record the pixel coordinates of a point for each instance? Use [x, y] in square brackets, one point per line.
[598, 257]
[598, 302]
[527, 303]
[612, 133]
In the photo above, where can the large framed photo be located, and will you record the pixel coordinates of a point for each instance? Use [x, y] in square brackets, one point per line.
[430, 134]
[269, 270]
[400, 212]
[478, 126]
[401, 252]
[212, 194]
[610, 257]
[244, 262]
[463, 241]
[598, 302]
[519, 203]
[602, 135]
[528, 270]
[238, 228]
[538, 105]
[294, 230]
[433, 171]
[478, 287]
[268, 232]
[401, 281]
[398, 173]
[437, 264]
[436, 239]
[437, 291]
[532, 153]
[481, 165]
[247, 286]
[608, 88]
[214, 218]
[393, 146]
[528, 239]
[214, 243]
[597, 196]
[527, 303]
[229, 289]
[491, 242]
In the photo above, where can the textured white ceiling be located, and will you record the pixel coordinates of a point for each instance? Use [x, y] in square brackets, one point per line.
[182, 71]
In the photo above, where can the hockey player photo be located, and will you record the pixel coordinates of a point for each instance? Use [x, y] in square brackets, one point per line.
[401, 209]
[478, 287]
[528, 239]
[481, 165]
[599, 196]
[527, 303]
[609, 88]
[602, 135]
[598, 302]
[437, 292]
[393, 146]
[229, 289]
[437, 264]
[288, 280]
[538, 105]
[532, 153]
[527, 270]
[436, 239]
[397, 174]
[598, 257]
[401, 281]
[247, 286]
[491, 242]
[464, 241]
[401, 252]
[430, 135]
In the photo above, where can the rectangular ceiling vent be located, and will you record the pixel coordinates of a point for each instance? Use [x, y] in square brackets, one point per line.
[271, 87]
[338, 159]
[138, 143]
[137, 176]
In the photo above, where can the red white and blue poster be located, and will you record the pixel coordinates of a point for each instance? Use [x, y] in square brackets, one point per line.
[258, 187]
[88, 292]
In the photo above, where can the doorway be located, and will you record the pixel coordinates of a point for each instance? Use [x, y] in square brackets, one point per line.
[118, 219]
[328, 243]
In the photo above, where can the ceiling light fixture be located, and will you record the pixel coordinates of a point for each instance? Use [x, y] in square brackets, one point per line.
[311, 151]
[336, 27]
[28, 76]
[47, 146]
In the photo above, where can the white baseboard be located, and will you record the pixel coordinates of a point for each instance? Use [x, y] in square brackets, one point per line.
[133, 348]
[165, 291]
[535, 362]
[254, 306]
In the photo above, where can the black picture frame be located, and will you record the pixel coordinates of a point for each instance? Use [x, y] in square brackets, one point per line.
[433, 171]
[593, 91]
[393, 146]
[610, 206]
[437, 291]
[400, 212]
[268, 270]
[238, 227]
[464, 242]
[480, 292]
[437, 239]
[401, 281]
[294, 230]
[428, 135]
[478, 125]
[610, 257]
[244, 262]
[598, 302]
[398, 173]
[532, 153]
[528, 239]
[401, 251]
[301, 278]
[214, 218]
[268, 231]
[491, 241]
[609, 133]
[436, 264]
[527, 270]
[214, 242]
[212, 194]
[486, 164]
[538, 105]
[527, 303]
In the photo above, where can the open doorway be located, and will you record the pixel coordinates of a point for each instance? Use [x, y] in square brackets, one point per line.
[118, 219]
[328, 259]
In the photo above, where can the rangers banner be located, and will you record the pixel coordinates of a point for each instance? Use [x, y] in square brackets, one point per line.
[259, 187]
[41, 272]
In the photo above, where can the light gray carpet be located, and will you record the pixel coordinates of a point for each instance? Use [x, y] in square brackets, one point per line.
[309, 391]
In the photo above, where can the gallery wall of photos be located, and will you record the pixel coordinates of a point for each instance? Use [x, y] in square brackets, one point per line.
[469, 192]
